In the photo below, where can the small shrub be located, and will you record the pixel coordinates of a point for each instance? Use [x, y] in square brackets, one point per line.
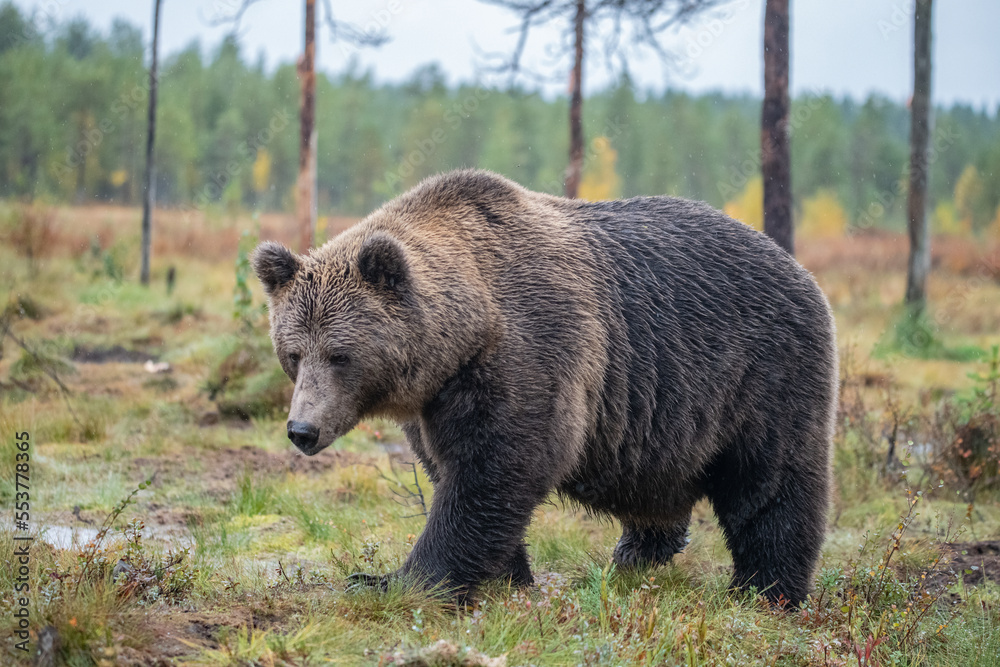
[248, 382]
[147, 577]
[23, 306]
[242, 297]
[868, 433]
[38, 363]
[266, 394]
[30, 231]
[176, 313]
[888, 612]
[966, 452]
[112, 267]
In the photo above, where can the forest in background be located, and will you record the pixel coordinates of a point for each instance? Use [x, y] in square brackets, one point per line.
[172, 523]
[72, 129]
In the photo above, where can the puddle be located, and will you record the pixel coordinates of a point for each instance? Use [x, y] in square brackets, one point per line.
[68, 537]
[77, 537]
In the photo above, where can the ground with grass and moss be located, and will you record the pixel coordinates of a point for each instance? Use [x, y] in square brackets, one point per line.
[174, 523]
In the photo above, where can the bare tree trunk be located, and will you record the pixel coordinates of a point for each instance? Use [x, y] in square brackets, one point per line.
[81, 167]
[305, 203]
[574, 172]
[150, 191]
[775, 156]
[916, 204]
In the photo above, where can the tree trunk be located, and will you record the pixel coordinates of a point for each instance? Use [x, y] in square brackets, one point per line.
[149, 196]
[775, 156]
[574, 172]
[305, 203]
[81, 166]
[916, 204]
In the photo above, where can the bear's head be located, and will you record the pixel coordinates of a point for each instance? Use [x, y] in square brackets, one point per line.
[345, 323]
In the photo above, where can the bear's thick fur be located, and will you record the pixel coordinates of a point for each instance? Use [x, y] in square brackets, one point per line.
[634, 356]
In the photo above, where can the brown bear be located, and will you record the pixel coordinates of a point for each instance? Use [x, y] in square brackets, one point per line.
[634, 356]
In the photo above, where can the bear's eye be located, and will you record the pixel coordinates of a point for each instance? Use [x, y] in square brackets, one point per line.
[339, 360]
[294, 358]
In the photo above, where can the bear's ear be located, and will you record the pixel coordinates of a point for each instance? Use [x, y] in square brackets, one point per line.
[275, 265]
[382, 262]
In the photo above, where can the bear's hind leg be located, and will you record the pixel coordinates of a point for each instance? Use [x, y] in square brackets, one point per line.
[650, 546]
[774, 532]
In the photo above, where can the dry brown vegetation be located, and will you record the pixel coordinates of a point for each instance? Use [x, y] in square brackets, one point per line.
[270, 535]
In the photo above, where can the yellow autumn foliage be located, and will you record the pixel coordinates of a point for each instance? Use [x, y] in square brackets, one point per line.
[262, 170]
[118, 177]
[823, 216]
[748, 207]
[599, 178]
[945, 220]
[971, 200]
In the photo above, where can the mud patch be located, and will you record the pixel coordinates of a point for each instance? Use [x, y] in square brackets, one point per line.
[220, 469]
[113, 354]
[181, 635]
[973, 562]
[228, 465]
[976, 562]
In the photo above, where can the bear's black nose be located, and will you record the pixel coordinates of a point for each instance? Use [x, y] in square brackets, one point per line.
[303, 435]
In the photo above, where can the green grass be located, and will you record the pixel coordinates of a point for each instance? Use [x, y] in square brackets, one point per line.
[272, 544]
[914, 335]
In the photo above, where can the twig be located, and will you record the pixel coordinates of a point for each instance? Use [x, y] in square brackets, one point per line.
[45, 366]
[352, 34]
[420, 491]
[234, 18]
[648, 19]
[407, 497]
[109, 521]
[76, 513]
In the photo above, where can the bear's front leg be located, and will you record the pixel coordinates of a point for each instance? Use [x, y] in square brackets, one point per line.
[430, 568]
[475, 531]
[492, 462]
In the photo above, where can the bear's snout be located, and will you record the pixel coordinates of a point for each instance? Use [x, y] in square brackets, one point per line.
[304, 436]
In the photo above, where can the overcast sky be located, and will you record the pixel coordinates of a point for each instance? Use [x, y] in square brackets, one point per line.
[847, 47]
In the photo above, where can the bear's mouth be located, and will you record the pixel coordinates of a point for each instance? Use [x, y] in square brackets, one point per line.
[314, 450]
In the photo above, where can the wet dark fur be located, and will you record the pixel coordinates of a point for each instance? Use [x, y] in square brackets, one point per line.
[633, 355]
